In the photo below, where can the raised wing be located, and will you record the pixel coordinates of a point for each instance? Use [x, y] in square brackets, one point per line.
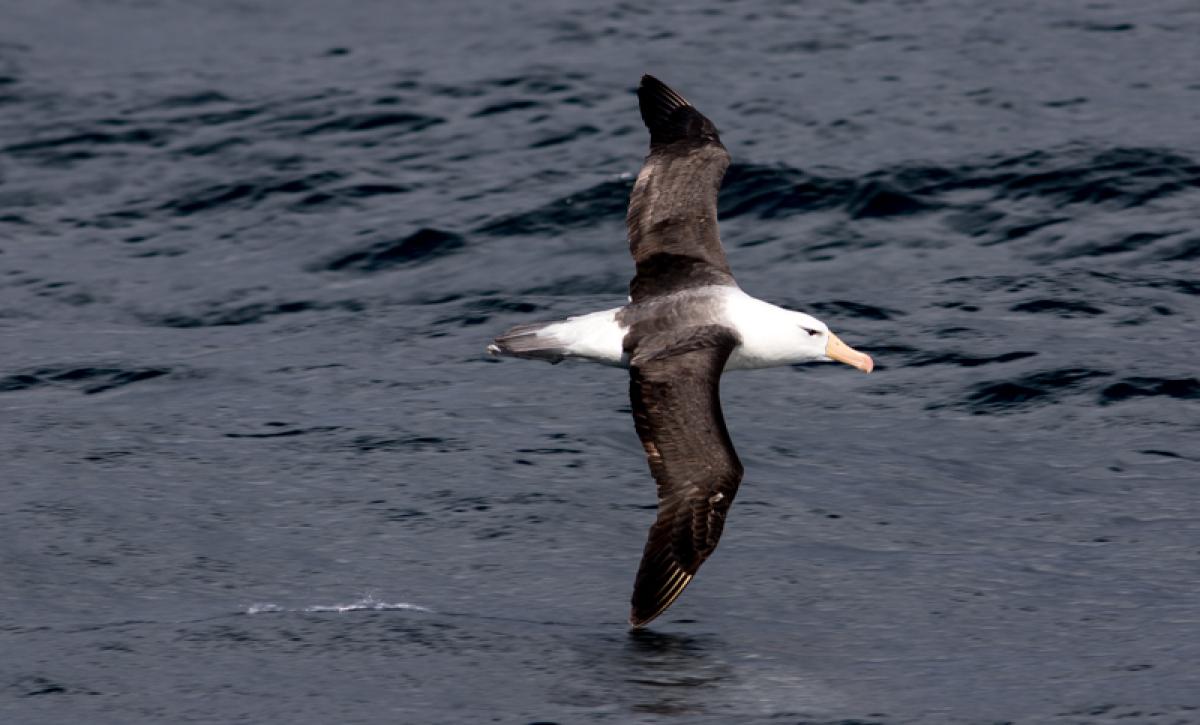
[677, 411]
[672, 218]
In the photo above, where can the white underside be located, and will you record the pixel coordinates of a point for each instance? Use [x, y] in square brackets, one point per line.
[770, 335]
[596, 336]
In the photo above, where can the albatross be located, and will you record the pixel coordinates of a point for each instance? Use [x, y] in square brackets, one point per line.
[686, 323]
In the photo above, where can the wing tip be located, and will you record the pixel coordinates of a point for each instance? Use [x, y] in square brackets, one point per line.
[663, 113]
[640, 616]
[652, 87]
[640, 620]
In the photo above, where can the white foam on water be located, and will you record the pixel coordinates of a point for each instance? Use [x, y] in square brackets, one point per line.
[262, 608]
[367, 603]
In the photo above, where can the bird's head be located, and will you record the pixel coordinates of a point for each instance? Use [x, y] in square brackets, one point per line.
[815, 342]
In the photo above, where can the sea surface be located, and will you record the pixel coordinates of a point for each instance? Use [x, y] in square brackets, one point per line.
[256, 467]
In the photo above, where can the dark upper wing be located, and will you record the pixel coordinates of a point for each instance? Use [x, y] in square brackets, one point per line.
[677, 411]
[672, 216]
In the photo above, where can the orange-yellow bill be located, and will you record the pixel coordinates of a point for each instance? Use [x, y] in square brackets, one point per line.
[837, 350]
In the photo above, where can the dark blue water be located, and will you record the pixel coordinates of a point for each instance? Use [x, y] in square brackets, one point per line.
[257, 468]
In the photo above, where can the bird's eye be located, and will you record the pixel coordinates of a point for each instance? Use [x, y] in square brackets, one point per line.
[812, 333]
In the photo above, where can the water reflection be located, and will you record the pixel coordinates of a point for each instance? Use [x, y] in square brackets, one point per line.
[648, 672]
[671, 674]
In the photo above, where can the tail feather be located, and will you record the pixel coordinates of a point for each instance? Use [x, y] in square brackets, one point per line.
[529, 341]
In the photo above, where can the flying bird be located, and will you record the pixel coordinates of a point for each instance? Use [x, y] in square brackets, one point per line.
[686, 322]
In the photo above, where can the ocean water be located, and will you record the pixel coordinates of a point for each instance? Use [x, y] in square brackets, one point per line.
[256, 466]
